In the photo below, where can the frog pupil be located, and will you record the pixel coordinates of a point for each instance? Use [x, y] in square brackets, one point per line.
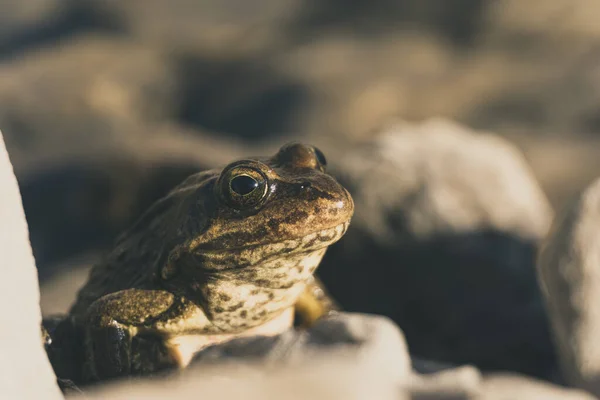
[243, 185]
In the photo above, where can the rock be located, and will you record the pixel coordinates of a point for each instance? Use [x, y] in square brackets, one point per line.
[443, 241]
[211, 25]
[374, 342]
[322, 378]
[26, 371]
[334, 378]
[511, 386]
[80, 206]
[419, 365]
[20, 22]
[349, 356]
[569, 272]
[116, 86]
[457, 383]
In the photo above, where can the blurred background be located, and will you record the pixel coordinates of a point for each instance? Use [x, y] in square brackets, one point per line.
[105, 105]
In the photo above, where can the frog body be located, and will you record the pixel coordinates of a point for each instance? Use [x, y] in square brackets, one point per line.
[225, 254]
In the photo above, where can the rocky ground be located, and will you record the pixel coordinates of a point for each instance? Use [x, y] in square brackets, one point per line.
[105, 105]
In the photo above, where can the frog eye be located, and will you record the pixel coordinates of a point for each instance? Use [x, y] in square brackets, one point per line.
[243, 187]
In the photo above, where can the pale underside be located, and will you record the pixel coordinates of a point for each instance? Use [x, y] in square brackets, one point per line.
[183, 348]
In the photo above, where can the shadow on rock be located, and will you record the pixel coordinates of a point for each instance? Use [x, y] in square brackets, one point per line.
[74, 208]
[443, 241]
[469, 298]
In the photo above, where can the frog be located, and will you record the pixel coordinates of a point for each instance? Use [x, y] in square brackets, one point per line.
[228, 253]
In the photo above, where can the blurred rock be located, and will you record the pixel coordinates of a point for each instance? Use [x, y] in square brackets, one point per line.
[88, 94]
[373, 342]
[334, 378]
[443, 241]
[92, 144]
[552, 20]
[345, 357]
[322, 378]
[459, 21]
[510, 387]
[423, 366]
[208, 25]
[569, 272]
[19, 19]
[457, 383]
[26, 372]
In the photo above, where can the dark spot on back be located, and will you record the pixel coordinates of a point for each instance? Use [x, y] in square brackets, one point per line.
[224, 297]
[236, 307]
[244, 313]
[273, 224]
[262, 282]
[250, 274]
[286, 285]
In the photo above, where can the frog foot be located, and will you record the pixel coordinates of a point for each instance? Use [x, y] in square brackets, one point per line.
[112, 326]
[108, 351]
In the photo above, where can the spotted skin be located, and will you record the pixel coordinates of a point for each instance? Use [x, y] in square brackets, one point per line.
[214, 259]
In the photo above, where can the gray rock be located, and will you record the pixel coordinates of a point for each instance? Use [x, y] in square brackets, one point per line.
[22, 21]
[207, 26]
[97, 106]
[443, 178]
[374, 342]
[453, 384]
[25, 371]
[349, 356]
[569, 271]
[322, 378]
[334, 378]
[511, 386]
[443, 241]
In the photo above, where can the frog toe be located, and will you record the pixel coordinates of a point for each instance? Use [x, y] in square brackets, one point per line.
[108, 352]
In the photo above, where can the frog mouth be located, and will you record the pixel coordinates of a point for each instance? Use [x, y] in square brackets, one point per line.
[253, 254]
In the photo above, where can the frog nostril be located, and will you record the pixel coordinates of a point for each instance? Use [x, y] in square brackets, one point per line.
[301, 188]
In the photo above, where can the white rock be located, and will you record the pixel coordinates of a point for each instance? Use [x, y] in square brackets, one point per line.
[446, 178]
[569, 272]
[511, 387]
[373, 342]
[25, 372]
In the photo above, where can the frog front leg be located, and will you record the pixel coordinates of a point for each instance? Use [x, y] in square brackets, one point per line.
[111, 325]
